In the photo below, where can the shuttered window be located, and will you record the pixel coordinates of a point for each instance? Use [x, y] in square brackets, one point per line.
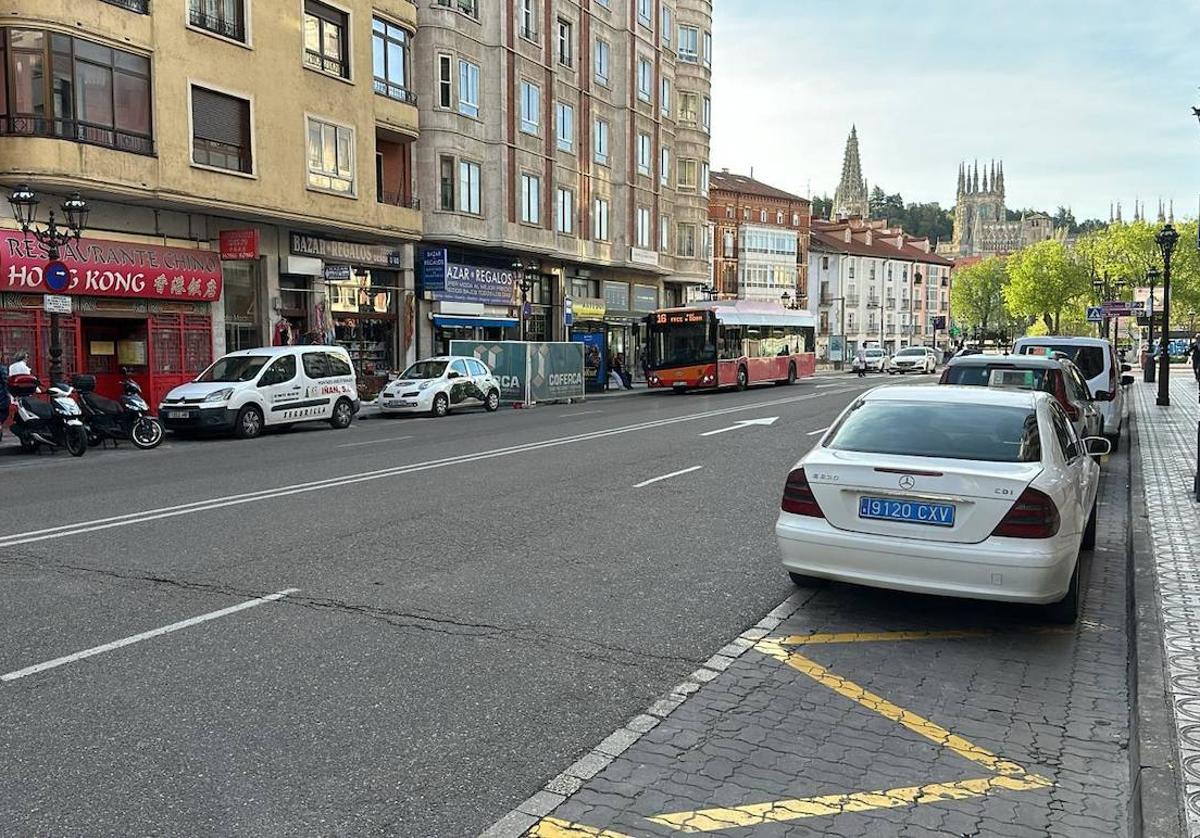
[221, 131]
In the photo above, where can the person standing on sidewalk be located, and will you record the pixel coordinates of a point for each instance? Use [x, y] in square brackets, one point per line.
[20, 364]
[1194, 352]
[860, 362]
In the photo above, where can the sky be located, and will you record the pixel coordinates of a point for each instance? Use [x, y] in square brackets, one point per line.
[1088, 102]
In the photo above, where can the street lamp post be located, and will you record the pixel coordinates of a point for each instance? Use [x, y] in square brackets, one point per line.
[24, 207]
[525, 283]
[1152, 277]
[1166, 239]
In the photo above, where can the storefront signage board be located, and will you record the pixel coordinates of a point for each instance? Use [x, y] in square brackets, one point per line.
[337, 273]
[589, 308]
[238, 245]
[352, 253]
[56, 304]
[452, 282]
[104, 268]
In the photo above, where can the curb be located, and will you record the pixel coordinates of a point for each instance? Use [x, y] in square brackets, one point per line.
[1154, 808]
[527, 814]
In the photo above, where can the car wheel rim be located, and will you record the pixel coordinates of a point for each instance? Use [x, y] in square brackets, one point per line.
[250, 423]
[343, 414]
[493, 401]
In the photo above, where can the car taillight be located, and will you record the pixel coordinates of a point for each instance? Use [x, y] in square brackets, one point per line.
[1034, 515]
[798, 497]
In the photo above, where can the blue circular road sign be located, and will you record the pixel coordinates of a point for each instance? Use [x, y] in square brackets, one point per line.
[58, 277]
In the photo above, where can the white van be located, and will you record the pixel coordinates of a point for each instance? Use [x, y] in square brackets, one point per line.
[1097, 361]
[248, 390]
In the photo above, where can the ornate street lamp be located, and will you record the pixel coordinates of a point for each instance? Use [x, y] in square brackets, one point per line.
[52, 236]
[786, 300]
[1166, 239]
[525, 283]
[1152, 277]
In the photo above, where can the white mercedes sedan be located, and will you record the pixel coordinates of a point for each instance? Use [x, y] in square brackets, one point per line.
[958, 491]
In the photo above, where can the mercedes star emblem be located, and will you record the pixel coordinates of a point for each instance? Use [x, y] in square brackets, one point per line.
[907, 482]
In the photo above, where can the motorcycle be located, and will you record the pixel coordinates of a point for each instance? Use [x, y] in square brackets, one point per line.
[128, 418]
[56, 422]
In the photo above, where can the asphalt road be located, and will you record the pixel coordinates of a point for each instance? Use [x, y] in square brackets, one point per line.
[478, 600]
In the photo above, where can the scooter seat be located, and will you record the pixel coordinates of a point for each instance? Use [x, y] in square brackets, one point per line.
[99, 404]
[39, 408]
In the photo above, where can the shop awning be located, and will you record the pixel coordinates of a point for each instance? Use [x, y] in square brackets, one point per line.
[472, 322]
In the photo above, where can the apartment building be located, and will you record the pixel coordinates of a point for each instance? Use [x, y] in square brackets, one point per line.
[563, 167]
[871, 284]
[249, 171]
[762, 240]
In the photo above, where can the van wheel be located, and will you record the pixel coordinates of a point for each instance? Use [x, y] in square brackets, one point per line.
[1089, 531]
[1115, 439]
[493, 401]
[249, 422]
[743, 379]
[1066, 611]
[343, 415]
[441, 405]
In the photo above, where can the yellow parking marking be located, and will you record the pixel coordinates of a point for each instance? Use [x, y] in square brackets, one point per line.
[757, 814]
[556, 828]
[917, 724]
[829, 638]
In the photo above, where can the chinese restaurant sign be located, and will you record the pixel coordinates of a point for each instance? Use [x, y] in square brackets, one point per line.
[113, 269]
[238, 245]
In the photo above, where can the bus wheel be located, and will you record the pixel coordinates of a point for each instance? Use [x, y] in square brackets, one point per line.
[743, 380]
[791, 379]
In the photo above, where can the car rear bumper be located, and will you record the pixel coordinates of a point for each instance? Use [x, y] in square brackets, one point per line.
[1003, 569]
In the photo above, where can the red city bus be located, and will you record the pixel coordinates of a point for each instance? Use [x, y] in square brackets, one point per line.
[730, 344]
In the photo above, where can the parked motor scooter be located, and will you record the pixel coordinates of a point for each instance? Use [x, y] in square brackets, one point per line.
[56, 422]
[128, 418]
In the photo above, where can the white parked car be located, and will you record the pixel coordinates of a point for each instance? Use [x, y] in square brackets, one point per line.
[913, 359]
[960, 491]
[876, 359]
[436, 385]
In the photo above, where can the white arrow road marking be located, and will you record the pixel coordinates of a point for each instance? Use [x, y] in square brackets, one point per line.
[745, 423]
[667, 476]
[145, 635]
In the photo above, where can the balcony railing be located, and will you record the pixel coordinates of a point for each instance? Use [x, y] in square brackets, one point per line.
[396, 199]
[232, 29]
[142, 7]
[395, 91]
[77, 131]
[851, 299]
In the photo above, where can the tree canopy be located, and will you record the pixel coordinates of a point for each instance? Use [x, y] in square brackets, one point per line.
[977, 294]
[1044, 280]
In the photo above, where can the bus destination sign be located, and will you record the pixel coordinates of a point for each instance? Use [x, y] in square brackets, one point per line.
[680, 318]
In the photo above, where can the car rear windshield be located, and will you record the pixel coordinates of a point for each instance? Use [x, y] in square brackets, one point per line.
[980, 375]
[232, 369]
[1089, 359]
[992, 433]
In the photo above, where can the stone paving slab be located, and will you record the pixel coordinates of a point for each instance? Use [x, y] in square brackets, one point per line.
[852, 711]
[1167, 448]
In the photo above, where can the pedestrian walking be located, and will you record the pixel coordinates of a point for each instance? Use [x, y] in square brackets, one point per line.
[1194, 352]
[5, 401]
[20, 364]
[860, 362]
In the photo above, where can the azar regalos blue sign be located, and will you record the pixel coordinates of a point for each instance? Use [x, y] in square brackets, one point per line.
[453, 282]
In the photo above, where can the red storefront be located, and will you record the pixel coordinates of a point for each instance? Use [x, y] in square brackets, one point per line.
[142, 306]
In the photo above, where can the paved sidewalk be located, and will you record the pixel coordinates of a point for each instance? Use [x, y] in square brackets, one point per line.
[1167, 443]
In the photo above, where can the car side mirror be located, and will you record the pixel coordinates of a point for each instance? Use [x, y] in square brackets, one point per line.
[1097, 446]
[1102, 396]
[1126, 379]
[1126, 368]
[453, 374]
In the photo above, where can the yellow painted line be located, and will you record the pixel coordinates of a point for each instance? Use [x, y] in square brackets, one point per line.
[930, 730]
[829, 638]
[556, 828]
[712, 820]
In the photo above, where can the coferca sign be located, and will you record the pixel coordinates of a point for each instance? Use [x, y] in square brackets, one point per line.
[103, 268]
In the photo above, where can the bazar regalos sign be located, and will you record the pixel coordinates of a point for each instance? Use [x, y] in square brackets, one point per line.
[466, 283]
[102, 268]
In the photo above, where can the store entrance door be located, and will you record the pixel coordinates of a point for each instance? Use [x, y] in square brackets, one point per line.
[110, 343]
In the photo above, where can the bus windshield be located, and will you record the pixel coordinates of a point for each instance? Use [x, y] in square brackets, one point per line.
[682, 340]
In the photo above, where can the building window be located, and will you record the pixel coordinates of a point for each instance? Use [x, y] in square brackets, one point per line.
[330, 157]
[603, 56]
[600, 142]
[531, 107]
[470, 8]
[565, 117]
[600, 219]
[824, 263]
[566, 55]
[221, 131]
[664, 165]
[667, 18]
[687, 174]
[704, 179]
[745, 213]
[689, 44]
[227, 19]
[468, 88]
[446, 183]
[643, 227]
[685, 239]
[643, 154]
[445, 83]
[728, 211]
[727, 241]
[529, 20]
[708, 49]
[795, 219]
[643, 12]
[73, 89]
[325, 46]
[531, 199]
[645, 73]
[665, 96]
[706, 115]
[689, 104]
[779, 217]
[469, 175]
[566, 211]
[390, 54]
[762, 216]
[664, 234]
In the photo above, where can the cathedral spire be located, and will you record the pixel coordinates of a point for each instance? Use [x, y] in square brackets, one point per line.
[851, 197]
[1001, 176]
[975, 178]
[1162, 212]
[1119, 219]
[1171, 214]
[961, 180]
[985, 180]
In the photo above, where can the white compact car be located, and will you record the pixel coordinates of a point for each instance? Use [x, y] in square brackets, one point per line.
[436, 385]
[913, 359]
[248, 390]
[959, 491]
[876, 359]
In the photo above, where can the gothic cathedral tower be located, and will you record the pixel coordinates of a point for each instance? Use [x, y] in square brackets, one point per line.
[851, 195]
[979, 209]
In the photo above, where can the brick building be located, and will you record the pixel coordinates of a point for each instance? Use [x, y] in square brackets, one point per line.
[761, 239]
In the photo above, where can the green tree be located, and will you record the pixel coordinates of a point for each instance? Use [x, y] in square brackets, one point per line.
[1044, 280]
[822, 207]
[977, 294]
